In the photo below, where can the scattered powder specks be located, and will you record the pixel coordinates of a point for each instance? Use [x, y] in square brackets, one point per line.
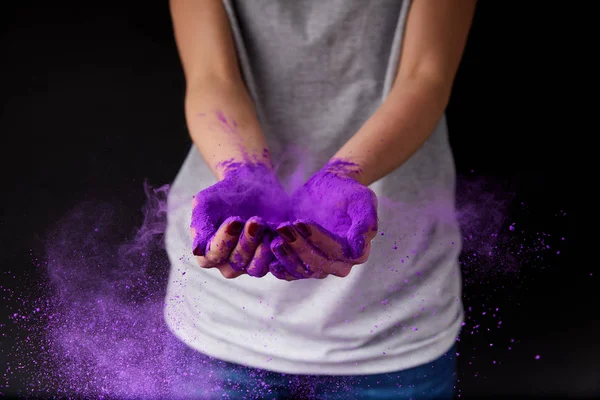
[94, 327]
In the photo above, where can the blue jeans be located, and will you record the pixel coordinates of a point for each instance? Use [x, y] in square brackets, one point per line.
[434, 380]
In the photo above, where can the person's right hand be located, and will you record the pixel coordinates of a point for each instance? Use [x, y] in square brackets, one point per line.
[335, 235]
[234, 220]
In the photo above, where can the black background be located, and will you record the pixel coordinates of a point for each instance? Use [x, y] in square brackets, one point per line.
[92, 105]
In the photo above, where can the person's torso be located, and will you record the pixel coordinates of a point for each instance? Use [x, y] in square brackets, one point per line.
[317, 70]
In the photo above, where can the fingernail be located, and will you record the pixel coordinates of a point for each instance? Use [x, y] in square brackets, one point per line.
[287, 234]
[235, 228]
[282, 250]
[197, 251]
[253, 229]
[303, 229]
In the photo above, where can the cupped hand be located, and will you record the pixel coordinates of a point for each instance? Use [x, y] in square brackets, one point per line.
[233, 221]
[335, 221]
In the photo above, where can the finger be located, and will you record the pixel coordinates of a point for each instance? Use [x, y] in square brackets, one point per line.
[279, 271]
[203, 262]
[203, 223]
[259, 265]
[286, 256]
[246, 246]
[317, 262]
[228, 272]
[224, 269]
[288, 253]
[363, 213]
[320, 275]
[225, 239]
[329, 244]
[364, 256]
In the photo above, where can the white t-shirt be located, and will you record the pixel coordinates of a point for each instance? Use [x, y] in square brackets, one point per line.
[317, 71]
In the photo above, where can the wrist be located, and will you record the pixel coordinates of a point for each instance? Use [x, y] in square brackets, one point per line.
[255, 171]
[345, 168]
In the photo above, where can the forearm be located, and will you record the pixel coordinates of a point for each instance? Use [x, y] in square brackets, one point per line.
[397, 129]
[220, 114]
[223, 124]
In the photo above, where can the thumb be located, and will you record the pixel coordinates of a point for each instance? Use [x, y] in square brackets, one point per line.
[205, 223]
[362, 211]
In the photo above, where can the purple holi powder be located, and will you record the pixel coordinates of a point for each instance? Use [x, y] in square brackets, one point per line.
[338, 203]
[247, 190]
[98, 317]
[346, 209]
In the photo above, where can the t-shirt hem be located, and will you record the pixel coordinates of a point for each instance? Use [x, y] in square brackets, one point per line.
[409, 358]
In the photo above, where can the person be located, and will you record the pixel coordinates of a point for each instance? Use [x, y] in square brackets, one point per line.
[319, 195]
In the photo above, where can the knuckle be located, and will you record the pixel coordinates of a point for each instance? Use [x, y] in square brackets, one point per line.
[342, 272]
[214, 257]
[203, 262]
[228, 273]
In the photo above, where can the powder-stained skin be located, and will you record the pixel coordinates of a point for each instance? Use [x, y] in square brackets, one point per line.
[248, 190]
[340, 204]
[345, 209]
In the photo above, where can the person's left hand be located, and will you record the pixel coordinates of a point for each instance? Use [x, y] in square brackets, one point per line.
[233, 221]
[336, 219]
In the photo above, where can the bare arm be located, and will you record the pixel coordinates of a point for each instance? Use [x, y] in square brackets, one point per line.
[435, 38]
[220, 114]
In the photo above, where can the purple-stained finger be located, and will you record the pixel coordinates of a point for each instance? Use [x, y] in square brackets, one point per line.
[220, 246]
[319, 264]
[259, 265]
[329, 244]
[278, 270]
[288, 259]
[248, 241]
